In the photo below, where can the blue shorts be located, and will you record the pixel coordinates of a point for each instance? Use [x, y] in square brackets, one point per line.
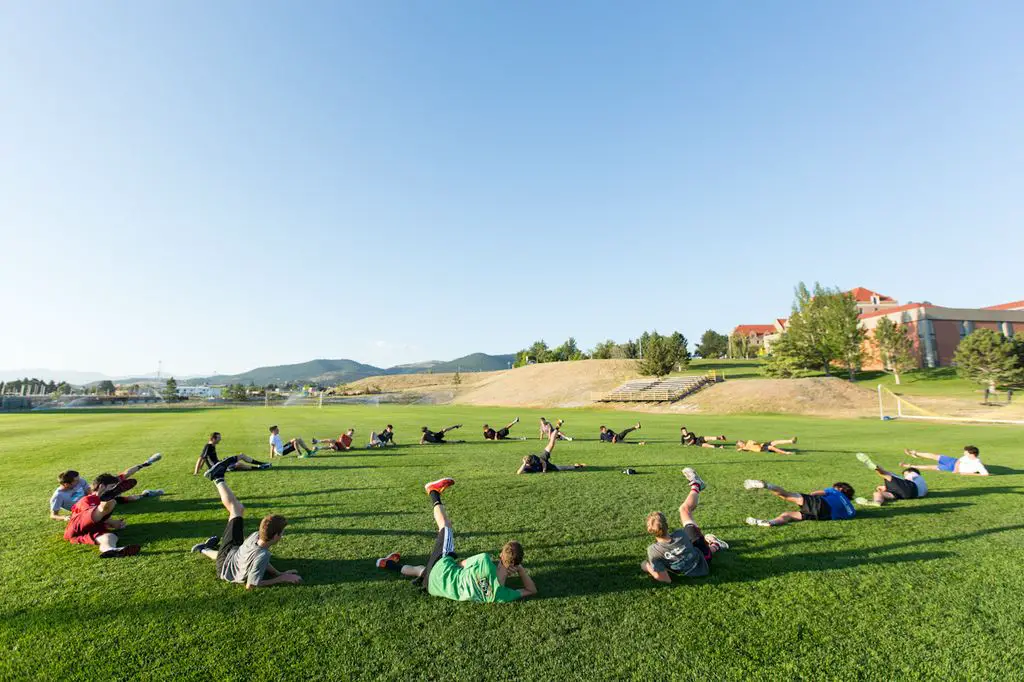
[947, 463]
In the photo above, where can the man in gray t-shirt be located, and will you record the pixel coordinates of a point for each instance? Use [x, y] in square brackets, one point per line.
[683, 552]
[243, 559]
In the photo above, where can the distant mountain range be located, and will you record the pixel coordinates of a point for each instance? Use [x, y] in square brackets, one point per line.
[315, 371]
[344, 371]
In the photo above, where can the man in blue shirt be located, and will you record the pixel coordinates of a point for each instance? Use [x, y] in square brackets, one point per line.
[831, 504]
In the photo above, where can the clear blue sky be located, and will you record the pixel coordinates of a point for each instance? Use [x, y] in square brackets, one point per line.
[232, 184]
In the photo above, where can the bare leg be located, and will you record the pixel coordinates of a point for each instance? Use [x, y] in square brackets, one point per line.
[923, 455]
[441, 517]
[922, 467]
[786, 517]
[107, 542]
[783, 441]
[230, 502]
[772, 448]
[511, 424]
[299, 443]
[688, 506]
[795, 498]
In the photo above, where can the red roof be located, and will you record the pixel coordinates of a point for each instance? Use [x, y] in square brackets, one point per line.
[1016, 305]
[862, 295]
[754, 329]
[896, 309]
[782, 321]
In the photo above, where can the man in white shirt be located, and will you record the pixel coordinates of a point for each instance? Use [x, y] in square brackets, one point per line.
[909, 486]
[73, 487]
[969, 463]
[279, 449]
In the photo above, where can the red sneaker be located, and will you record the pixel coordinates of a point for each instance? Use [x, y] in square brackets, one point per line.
[440, 485]
[394, 557]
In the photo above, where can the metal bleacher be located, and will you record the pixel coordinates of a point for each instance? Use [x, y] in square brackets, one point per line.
[657, 390]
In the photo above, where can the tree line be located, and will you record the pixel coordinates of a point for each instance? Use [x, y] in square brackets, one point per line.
[656, 354]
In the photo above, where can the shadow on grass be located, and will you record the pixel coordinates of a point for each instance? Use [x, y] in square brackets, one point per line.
[997, 470]
[976, 492]
[398, 533]
[891, 510]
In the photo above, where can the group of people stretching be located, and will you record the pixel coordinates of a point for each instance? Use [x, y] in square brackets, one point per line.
[686, 551]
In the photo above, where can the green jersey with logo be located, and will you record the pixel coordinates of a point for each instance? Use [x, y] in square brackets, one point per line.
[476, 581]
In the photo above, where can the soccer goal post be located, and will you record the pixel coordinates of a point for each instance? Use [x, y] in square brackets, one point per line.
[894, 406]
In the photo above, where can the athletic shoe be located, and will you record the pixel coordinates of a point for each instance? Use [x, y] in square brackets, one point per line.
[516, 420]
[265, 465]
[389, 560]
[643, 442]
[439, 486]
[694, 479]
[721, 436]
[210, 543]
[715, 541]
[217, 471]
[128, 550]
[122, 487]
[302, 456]
[153, 459]
[866, 460]
[751, 521]
[638, 425]
[153, 493]
[753, 484]
[794, 440]
[865, 502]
[579, 465]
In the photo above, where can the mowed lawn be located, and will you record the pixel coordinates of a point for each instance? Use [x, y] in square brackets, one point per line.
[919, 590]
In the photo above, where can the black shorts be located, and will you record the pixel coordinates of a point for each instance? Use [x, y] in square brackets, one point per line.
[444, 545]
[288, 449]
[815, 508]
[698, 540]
[901, 488]
[764, 448]
[233, 537]
[502, 434]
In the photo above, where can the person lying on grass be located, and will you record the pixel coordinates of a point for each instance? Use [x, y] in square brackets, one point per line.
[429, 437]
[830, 504]
[241, 559]
[476, 579]
[502, 433]
[770, 446]
[609, 436]
[240, 462]
[689, 438]
[547, 427]
[72, 487]
[90, 522]
[907, 487]
[279, 449]
[382, 439]
[541, 464]
[686, 552]
[969, 463]
[342, 443]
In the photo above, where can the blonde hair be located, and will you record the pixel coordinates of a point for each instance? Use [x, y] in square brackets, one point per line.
[657, 524]
[511, 554]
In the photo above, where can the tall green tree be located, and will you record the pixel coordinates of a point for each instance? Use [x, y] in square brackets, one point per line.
[895, 347]
[987, 357]
[712, 345]
[603, 350]
[170, 392]
[106, 387]
[567, 351]
[740, 347]
[662, 354]
[823, 328]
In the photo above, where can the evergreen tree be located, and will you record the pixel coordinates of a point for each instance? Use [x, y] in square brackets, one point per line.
[987, 357]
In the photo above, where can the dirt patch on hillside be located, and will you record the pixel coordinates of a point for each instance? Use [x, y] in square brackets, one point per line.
[554, 384]
[581, 384]
[824, 396]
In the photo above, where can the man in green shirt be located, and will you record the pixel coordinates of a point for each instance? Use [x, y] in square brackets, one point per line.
[477, 578]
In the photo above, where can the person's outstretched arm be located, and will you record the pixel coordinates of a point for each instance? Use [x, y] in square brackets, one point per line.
[529, 587]
[199, 464]
[660, 576]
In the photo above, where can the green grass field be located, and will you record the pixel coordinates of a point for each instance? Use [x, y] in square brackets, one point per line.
[920, 590]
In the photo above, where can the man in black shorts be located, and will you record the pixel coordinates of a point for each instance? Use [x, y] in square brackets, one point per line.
[689, 438]
[687, 551]
[239, 462]
[907, 487]
[382, 439]
[541, 464]
[477, 578]
[609, 436]
[240, 559]
[834, 503]
[437, 437]
[500, 434]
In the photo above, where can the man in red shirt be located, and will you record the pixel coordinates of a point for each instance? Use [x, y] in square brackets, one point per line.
[344, 441]
[90, 522]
